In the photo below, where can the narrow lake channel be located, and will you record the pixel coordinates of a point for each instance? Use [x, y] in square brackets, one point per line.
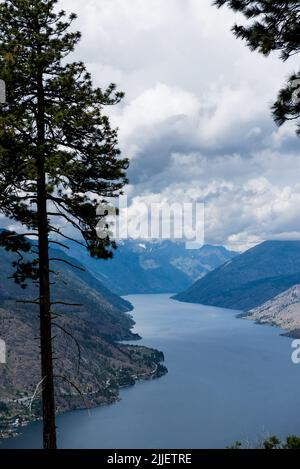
[229, 379]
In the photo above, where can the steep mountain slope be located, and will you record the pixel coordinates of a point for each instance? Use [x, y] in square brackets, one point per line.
[74, 286]
[153, 267]
[249, 279]
[283, 311]
[101, 366]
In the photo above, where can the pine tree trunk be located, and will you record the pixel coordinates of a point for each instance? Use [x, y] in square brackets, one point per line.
[49, 429]
[48, 399]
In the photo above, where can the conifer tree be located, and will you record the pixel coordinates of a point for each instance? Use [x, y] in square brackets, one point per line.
[58, 156]
[273, 25]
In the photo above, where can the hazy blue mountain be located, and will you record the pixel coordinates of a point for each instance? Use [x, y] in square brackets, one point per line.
[153, 267]
[250, 279]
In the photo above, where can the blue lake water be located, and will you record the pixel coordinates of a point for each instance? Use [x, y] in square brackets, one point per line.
[229, 379]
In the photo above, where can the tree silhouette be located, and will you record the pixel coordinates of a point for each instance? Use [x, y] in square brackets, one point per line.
[273, 25]
[58, 156]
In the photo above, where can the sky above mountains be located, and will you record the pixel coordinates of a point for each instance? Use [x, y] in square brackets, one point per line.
[196, 122]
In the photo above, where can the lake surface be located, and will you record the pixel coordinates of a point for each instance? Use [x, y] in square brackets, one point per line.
[229, 379]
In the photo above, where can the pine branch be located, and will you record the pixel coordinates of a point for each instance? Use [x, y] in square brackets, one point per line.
[58, 232]
[64, 261]
[35, 393]
[59, 244]
[73, 385]
[69, 334]
[64, 303]
[28, 302]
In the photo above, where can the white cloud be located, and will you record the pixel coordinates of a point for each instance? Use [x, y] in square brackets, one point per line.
[154, 107]
[196, 120]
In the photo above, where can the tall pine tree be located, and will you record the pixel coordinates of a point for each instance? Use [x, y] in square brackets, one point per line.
[58, 155]
[273, 25]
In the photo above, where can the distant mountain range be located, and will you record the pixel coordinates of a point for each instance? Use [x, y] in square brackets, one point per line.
[97, 327]
[249, 279]
[153, 267]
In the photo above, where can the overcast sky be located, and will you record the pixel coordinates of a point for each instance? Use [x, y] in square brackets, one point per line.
[196, 121]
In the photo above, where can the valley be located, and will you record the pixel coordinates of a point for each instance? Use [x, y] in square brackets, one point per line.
[91, 364]
[229, 379]
[261, 284]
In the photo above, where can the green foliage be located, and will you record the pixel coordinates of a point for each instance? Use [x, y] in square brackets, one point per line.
[272, 443]
[78, 151]
[236, 445]
[273, 25]
[287, 106]
[292, 442]
[58, 156]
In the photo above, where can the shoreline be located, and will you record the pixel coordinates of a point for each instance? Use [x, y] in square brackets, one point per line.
[289, 333]
[20, 419]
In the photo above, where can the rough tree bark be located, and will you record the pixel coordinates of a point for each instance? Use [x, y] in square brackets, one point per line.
[48, 399]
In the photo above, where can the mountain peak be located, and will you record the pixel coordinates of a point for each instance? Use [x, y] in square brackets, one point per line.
[250, 278]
